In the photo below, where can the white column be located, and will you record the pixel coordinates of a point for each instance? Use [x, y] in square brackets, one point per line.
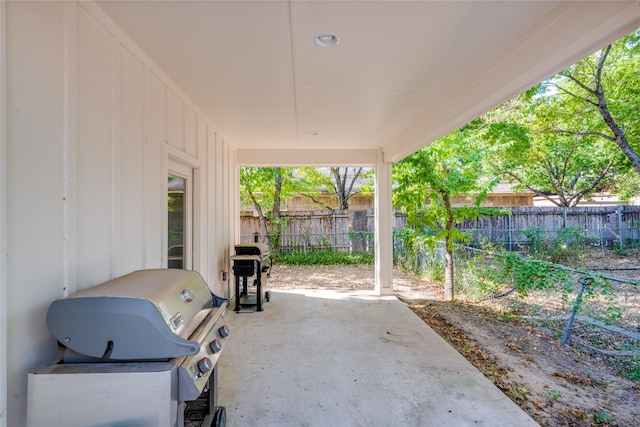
[384, 229]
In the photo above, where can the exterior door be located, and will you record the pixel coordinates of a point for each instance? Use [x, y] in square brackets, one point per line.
[180, 216]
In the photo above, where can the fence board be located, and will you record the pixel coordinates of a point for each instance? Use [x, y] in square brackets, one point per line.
[322, 229]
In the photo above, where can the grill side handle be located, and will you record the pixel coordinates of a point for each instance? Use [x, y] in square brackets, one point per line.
[115, 328]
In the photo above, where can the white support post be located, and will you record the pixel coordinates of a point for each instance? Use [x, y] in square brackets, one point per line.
[384, 229]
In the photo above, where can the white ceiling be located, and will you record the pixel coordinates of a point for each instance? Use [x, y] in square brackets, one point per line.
[404, 73]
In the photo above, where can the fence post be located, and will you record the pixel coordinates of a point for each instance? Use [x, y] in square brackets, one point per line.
[335, 231]
[619, 213]
[576, 305]
[510, 225]
[600, 235]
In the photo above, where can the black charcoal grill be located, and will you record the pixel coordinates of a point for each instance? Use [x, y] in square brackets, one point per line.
[250, 268]
[138, 350]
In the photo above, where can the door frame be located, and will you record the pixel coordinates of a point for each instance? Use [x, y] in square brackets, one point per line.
[184, 166]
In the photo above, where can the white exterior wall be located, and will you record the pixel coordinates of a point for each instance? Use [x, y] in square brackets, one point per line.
[87, 131]
[3, 222]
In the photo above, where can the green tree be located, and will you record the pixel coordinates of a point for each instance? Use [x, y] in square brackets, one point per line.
[606, 84]
[560, 168]
[577, 132]
[343, 182]
[265, 189]
[429, 180]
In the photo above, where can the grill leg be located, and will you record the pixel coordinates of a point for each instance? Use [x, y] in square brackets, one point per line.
[258, 287]
[204, 411]
[213, 390]
[218, 413]
[237, 294]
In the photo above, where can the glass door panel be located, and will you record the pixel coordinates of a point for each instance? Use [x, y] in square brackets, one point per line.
[177, 224]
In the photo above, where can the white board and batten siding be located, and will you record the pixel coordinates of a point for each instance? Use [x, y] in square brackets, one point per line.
[91, 127]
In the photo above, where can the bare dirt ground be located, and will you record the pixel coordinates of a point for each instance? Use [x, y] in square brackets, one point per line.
[556, 385]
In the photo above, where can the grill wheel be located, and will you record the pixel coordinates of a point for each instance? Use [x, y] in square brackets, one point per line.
[220, 419]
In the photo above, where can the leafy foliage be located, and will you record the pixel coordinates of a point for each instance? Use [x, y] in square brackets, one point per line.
[533, 274]
[569, 245]
[323, 257]
[343, 182]
[577, 132]
[428, 182]
[266, 189]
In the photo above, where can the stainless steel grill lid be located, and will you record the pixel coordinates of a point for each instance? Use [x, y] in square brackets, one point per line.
[147, 314]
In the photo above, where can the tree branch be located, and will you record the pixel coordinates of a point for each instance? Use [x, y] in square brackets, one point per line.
[530, 188]
[316, 201]
[593, 184]
[256, 205]
[582, 85]
[576, 133]
[568, 92]
[353, 181]
[620, 138]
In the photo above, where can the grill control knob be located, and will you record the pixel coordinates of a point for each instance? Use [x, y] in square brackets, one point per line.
[215, 345]
[205, 365]
[224, 331]
[187, 295]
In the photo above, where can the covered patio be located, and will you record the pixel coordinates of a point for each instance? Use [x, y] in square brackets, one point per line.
[102, 101]
[350, 358]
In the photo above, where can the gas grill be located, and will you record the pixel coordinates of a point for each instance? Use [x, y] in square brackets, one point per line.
[138, 350]
[250, 261]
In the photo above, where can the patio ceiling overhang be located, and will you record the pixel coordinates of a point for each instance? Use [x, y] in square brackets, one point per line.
[403, 74]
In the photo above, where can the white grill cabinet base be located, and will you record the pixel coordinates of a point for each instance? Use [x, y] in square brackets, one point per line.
[101, 394]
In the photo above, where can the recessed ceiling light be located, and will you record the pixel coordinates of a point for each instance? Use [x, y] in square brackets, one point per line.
[313, 133]
[326, 40]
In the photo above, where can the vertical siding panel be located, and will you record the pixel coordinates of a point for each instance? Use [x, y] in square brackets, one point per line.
[70, 150]
[216, 215]
[94, 149]
[157, 109]
[203, 145]
[229, 189]
[116, 108]
[176, 122]
[4, 284]
[155, 173]
[207, 153]
[191, 133]
[205, 191]
[35, 180]
[131, 190]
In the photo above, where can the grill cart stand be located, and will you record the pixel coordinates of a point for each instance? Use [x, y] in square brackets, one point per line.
[250, 262]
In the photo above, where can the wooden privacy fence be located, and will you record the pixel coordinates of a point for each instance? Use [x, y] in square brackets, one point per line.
[353, 231]
[604, 224]
[339, 230]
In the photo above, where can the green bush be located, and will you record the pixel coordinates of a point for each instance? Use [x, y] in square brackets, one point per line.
[628, 368]
[477, 279]
[568, 247]
[323, 257]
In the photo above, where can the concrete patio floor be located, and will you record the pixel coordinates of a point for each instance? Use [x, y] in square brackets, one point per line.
[349, 358]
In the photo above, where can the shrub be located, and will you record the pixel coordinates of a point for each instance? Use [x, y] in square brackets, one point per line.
[323, 257]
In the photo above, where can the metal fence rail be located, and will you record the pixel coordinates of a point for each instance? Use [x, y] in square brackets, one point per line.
[598, 311]
[519, 239]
